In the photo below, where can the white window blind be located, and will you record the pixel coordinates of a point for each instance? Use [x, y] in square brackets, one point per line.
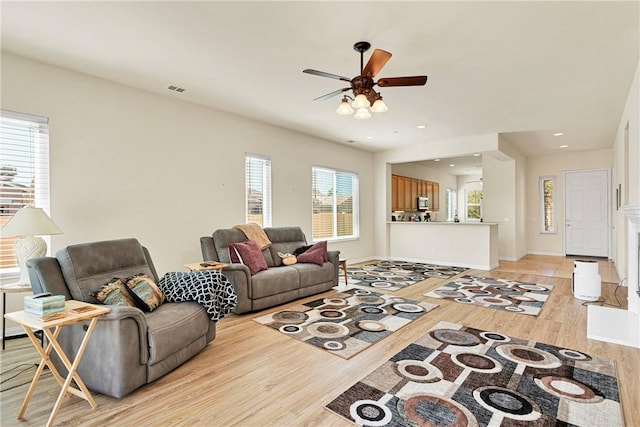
[24, 173]
[334, 204]
[547, 204]
[258, 189]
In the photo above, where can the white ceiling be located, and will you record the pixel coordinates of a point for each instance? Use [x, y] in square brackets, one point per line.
[461, 165]
[524, 69]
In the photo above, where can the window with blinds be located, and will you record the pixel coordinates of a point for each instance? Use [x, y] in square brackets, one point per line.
[24, 174]
[547, 204]
[334, 204]
[258, 189]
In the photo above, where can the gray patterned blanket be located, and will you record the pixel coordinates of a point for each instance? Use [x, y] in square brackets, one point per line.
[208, 288]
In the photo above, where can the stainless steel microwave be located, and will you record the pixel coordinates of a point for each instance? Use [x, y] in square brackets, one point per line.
[423, 203]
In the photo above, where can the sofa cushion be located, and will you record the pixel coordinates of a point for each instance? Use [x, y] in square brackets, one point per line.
[274, 281]
[285, 240]
[87, 267]
[313, 274]
[224, 237]
[114, 293]
[249, 254]
[317, 254]
[172, 327]
[145, 292]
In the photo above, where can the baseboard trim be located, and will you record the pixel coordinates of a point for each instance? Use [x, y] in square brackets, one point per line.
[545, 253]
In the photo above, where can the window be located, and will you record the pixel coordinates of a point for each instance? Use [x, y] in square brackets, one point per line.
[474, 204]
[334, 204]
[24, 174]
[452, 204]
[258, 189]
[547, 204]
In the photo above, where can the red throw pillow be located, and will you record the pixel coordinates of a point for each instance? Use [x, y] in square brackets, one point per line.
[249, 254]
[316, 254]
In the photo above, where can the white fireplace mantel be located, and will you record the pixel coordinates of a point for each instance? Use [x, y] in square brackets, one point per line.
[613, 324]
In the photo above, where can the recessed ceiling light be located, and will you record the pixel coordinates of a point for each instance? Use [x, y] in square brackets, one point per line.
[421, 127]
[564, 146]
[558, 134]
[436, 160]
[451, 165]
[476, 155]
[369, 137]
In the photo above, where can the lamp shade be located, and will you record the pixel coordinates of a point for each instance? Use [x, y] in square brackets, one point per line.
[30, 222]
[360, 101]
[344, 109]
[379, 106]
[362, 114]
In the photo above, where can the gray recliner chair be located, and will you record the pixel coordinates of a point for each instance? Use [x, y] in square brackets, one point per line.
[128, 348]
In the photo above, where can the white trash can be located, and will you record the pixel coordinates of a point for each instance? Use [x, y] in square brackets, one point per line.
[586, 282]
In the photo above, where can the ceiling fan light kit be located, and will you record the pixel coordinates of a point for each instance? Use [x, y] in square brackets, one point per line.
[364, 96]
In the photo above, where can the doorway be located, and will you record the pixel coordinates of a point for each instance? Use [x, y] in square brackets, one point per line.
[586, 201]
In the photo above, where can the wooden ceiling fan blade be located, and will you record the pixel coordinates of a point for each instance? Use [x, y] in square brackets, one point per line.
[323, 74]
[402, 81]
[332, 94]
[378, 60]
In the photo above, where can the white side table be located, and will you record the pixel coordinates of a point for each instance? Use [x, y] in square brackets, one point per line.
[9, 289]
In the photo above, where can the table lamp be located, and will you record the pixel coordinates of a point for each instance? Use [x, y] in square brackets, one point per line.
[29, 222]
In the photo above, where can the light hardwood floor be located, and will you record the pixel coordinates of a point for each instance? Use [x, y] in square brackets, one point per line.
[251, 375]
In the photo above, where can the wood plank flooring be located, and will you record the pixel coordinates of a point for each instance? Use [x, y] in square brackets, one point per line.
[251, 375]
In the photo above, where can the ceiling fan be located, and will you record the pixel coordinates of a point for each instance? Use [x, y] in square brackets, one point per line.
[364, 94]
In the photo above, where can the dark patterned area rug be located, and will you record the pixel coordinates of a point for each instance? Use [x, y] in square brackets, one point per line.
[460, 376]
[348, 322]
[501, 294]
[394, 275]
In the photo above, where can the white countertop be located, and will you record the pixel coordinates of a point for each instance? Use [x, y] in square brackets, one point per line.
[441, 223]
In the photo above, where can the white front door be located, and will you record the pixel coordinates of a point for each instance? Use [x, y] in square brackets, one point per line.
[586, 204]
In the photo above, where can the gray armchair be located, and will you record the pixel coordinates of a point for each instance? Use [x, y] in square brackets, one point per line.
[129, 347]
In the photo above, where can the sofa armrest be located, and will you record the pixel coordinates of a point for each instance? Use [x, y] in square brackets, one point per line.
[116, 357]
[334, 258]
[118, 314]
[46, 276]
[240, 277]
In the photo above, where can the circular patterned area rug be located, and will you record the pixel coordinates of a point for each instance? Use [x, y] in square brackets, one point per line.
[449, 376]
[394, 275]
[347, 322]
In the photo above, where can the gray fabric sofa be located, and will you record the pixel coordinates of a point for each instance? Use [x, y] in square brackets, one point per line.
[280, 283]
[128, 348]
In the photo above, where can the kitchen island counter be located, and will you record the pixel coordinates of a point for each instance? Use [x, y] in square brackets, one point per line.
[464, 244]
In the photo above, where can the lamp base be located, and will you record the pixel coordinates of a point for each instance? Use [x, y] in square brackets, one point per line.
[27, 248]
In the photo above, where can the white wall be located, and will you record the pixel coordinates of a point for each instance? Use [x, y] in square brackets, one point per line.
[556, 165]
[627, 170]
[128, 163]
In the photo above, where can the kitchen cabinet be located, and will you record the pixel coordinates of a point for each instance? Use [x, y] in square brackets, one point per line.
[394, 193]
[435, 206]
[414, 194]
[406, 190]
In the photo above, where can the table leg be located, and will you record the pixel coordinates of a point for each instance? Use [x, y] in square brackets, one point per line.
[44, 360]
[72, 375]
[4, 310]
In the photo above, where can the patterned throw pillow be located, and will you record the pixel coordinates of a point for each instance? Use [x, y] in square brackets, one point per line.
[249, 254]
[317, 254]
[114, 293]
[145, 292]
